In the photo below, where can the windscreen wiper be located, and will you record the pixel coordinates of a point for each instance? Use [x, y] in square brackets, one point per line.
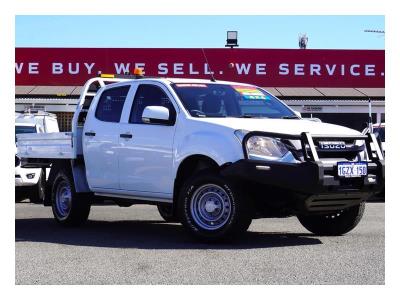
[198, 113]
[290, 117]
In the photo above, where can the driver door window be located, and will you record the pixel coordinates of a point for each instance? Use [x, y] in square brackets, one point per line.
[150, 95]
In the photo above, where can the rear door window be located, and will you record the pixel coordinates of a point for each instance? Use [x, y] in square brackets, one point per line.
[111, 103]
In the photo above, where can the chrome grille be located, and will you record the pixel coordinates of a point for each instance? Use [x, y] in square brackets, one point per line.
[350, 152]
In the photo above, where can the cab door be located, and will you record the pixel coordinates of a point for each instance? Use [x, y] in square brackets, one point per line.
[100, 139]
[146, 150]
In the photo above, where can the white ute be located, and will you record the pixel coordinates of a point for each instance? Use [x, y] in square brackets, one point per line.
[30, 182]
[212, 155]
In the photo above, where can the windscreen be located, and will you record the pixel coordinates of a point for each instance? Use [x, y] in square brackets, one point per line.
[223, 100]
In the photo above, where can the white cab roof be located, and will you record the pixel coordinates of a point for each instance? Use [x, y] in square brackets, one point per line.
[205, 81]
[177, 80]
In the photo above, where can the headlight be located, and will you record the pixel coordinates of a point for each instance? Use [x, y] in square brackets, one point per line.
[30, 175]
[259, 147]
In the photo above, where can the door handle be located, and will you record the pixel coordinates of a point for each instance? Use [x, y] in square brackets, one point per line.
[126, 135]
[90, 133]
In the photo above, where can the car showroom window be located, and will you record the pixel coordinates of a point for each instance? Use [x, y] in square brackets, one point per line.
[111, 103]
[150, 95]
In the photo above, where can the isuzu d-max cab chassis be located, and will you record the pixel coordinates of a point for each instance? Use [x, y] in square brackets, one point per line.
[212, 155]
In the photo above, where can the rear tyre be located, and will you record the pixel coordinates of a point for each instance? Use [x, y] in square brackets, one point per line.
[337, 223]
[167, 213]
[69, 207]
[37, 192]
[213, 208]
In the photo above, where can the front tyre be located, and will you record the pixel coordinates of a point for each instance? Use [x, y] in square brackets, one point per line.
[337, 223]
[213, 208]
[69, 208]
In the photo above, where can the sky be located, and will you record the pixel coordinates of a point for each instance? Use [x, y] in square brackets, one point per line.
[324, 32]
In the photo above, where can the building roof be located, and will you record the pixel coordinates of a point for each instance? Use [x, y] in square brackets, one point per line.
[53, 100]
[340, 92]
[299, 92]
[373, 92]
[273, 91]
[23, 89]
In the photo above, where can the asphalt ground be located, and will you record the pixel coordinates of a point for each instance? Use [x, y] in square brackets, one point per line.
[134, 246]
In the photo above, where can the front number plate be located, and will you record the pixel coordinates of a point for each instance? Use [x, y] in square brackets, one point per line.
[352, 169]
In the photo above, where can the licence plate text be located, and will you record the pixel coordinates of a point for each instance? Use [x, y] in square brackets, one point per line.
[350, 169]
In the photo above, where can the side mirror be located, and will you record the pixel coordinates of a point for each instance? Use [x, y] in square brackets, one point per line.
[156, 115]
[297, 113]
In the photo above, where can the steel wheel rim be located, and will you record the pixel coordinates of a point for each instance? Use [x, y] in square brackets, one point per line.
[210, 207]
[63, 199]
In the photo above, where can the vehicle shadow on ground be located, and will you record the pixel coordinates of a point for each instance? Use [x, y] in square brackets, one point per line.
[145, 235]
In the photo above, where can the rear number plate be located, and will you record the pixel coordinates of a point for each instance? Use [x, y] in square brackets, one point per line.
[352, 169]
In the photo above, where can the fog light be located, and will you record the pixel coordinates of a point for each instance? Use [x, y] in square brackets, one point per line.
[30, 176]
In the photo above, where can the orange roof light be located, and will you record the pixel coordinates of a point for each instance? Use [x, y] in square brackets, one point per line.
[138, 72]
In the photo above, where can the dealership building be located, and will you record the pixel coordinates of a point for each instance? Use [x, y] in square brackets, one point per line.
[332, 85]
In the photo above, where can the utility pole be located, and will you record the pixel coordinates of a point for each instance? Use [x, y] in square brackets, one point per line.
[369, 110]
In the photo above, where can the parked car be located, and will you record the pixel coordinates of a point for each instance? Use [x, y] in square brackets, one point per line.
[30, 182]
[212, 155]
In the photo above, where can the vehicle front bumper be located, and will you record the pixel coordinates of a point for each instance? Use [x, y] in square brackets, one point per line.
[21, 176]
[313, 184]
